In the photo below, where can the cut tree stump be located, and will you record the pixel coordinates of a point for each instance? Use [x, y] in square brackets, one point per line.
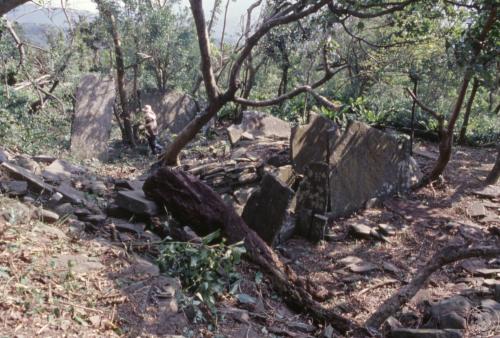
[193, 203]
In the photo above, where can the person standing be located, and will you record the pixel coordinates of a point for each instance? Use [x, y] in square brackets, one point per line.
[151, 129]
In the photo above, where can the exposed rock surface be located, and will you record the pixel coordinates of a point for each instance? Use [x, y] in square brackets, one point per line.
[34, 182]
[312, 142]
[91, 126]
[60, 170]
[174, 110]
[136, 202]
[265, 211]
[259, 125]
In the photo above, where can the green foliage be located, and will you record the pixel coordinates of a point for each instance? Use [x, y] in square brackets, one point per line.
[207, 270]
[46, 132]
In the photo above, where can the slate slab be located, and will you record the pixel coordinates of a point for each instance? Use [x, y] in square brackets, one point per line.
[174, 110]
[91, 127]
[34, 182]
[312, 142]
[367, 163]
[136, 202]
[266, 209]
[259, 125]
[70, 194]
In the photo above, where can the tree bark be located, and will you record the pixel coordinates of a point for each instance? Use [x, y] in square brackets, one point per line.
[495, 172]
[465, 124]
[448, 255]
[192, 202]
[120, 79]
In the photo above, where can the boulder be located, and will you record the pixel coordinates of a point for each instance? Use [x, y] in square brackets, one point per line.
[174, 110]
[136, 202]
[34, 182]
[312, 142]
[259, 125]
[367, 163]
[266, 210]
[91, 127]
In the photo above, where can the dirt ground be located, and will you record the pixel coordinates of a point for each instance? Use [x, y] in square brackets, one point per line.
[58, 280]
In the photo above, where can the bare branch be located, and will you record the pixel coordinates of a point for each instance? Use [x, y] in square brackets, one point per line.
[324, 101]
[436, 115]
[17, 40]
[298, 90]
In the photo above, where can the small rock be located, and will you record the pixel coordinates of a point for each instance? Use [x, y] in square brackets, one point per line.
[46, 216]
[4, 157]
[301, 327]
[490, 191]
[392, 323]
[362, 267]
[350, 260]
[476, 210]
[64, 209]
[98, 188]
[360, 230]
[45, 159]
[55, 199]
[487, 272]
[450, 313]
[61, 170]
[28, 164]
[328, 332]
[391, 268]
[16, 188]
[386, 229]
[244, 298]
[97, 220]
[70, 194]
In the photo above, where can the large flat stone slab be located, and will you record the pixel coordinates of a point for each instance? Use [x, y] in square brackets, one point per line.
[312, 142]
[367, 163]
[259, 125]
[34, 182]
[93, 115]
[266, 209]
[174, 110]
[136, 202]
[60, 170]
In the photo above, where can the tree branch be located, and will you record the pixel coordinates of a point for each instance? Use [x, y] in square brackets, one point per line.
[298, 90]
[436, 115]
[448, 255]
[17, 40]
[204, 45]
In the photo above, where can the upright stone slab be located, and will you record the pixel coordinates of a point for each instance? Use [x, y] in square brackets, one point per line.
[312, 142]
[312, 201]
[174, 110]
[93, 115]
[259, 125]
[266, 210]
[366, 163]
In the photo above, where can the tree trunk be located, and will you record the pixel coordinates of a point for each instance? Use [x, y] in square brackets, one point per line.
[495, 172]
[463, 130]
[192, 202]
[120, 79]
[7, 5]
[171, 154]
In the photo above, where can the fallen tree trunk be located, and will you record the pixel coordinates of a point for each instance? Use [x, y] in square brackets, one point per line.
[446, 256]
[193, 203]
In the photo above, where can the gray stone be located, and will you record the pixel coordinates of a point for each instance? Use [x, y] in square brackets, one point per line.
[450, 313]
[93, 116]
[122, 225]
[64, 209]
[266, 209]
[367, 163]
[4, 156]
[425, 333]
[46, 216]
[98, 188]
[312, 199]
[312, 142]
[476, 210]
[61, 170]
[16, 188]
[34, 182]
[360, 230]
[45, 159]
[490, 191]
[259, 125]
[244, 298]
[70, 194]
[136, 202]
[28, 164]
[243, 194]
[361, 267]
[174, 110]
